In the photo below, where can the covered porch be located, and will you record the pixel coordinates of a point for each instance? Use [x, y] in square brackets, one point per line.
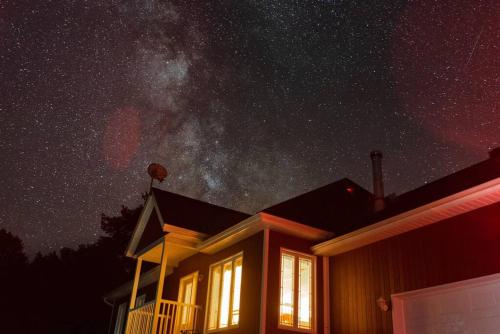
[160, 315]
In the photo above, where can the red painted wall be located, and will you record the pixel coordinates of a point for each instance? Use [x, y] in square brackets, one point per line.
[456, 249]
[250, 281]
[277, 241]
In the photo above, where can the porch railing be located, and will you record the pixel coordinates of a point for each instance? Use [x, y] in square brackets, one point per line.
[140, 319]
[173, 318]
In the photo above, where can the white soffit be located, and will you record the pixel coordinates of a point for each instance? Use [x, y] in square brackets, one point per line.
[186, 233]
[459, 203]
[175, 253]
[257, 223]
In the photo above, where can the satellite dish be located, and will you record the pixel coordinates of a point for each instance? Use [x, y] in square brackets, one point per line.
[157, 172]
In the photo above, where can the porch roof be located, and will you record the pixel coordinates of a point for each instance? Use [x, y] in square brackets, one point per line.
[185, 212]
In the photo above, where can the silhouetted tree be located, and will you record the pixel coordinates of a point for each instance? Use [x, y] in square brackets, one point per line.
[120, 228]
[13, 265]
[63, 293]
[11, 252]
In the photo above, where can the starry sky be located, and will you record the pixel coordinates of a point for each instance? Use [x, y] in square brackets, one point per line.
[247, 103]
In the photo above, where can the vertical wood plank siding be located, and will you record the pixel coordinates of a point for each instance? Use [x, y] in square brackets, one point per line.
[250, 282]
[460, 248]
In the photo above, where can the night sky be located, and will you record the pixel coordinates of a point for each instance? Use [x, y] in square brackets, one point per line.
[247, 103]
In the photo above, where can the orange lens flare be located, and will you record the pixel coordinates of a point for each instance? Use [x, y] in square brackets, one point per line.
[446, 68]
[122, 137]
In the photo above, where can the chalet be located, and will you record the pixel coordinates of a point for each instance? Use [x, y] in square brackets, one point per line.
[338, 259]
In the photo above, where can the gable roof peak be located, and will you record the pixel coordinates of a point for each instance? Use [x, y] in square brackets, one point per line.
[194, 214]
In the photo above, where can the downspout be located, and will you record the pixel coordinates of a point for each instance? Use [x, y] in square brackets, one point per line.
[378, 181]
[112, 314]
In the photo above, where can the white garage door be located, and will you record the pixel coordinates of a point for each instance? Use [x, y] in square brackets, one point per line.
[471, 306]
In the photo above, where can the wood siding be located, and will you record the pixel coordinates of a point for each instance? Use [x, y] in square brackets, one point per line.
[460, 248]
[250, 281]
[250, 284]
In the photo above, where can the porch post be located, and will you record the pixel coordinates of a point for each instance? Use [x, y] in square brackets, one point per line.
[136, 282]
[159, 287]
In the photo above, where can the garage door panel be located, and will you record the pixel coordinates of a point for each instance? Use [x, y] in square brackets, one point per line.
[482, 299]
[471, 306]
[422, 329]
[454, 325]
[487, 326]
[419, 311]
[492, 312]
[450, 303]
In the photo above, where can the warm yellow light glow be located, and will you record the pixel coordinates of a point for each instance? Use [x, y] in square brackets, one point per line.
[305, 293]
[236, 292]
[188, 290]
[214, 297]
[225, 293]
[287, 287]
[296, 295]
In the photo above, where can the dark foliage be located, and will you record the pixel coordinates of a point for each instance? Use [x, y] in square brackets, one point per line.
[13, 269]
[63, 293]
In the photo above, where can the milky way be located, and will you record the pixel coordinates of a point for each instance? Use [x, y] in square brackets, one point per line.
[247, 103]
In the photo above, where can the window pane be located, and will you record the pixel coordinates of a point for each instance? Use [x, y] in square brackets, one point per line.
[214, 297]
[185, 310]
[286, 296]
[226, 295]
[305, 293]
[235, 315]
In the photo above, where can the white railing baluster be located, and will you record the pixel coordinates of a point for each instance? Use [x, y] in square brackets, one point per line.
[161, 319]
[170, 319]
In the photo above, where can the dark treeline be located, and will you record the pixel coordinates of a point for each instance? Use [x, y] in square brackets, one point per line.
[63, 292]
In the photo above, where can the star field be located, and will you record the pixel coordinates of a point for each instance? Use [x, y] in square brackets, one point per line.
[247, 103]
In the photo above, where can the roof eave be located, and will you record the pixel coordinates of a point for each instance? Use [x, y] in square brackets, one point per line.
[459, 203]
[257, 223]
[139, 227]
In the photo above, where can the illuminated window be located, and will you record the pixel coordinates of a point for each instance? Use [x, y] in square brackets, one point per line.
[296, 290]
[225, 291]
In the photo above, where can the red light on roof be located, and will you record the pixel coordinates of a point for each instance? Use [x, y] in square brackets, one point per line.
[350, 190]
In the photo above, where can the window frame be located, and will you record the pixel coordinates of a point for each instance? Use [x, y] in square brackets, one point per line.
[297, 256]
[232, 259]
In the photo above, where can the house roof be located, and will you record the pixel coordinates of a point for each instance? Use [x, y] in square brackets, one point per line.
[343, 206]
[469, 177]
[173, 213]
[188, 213]
[340, 207]
[466, 190]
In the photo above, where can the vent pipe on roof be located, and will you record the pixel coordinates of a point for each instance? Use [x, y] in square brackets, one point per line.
[378, 181]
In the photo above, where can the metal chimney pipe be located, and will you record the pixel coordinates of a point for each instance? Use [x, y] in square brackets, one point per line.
[378, 180]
